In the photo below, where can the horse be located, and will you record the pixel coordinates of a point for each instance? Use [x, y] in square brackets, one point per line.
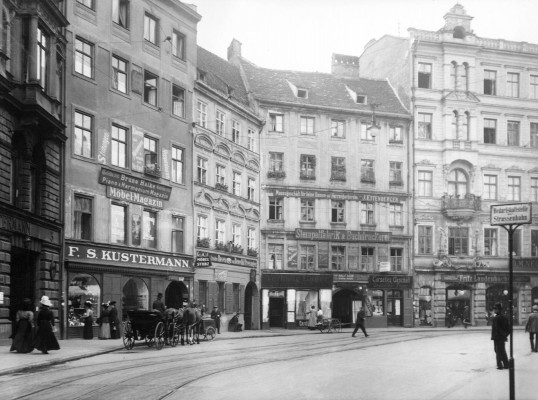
[191, 320]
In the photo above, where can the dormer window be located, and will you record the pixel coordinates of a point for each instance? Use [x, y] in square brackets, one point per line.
[360, 99]
[200, 75]
[302, 93]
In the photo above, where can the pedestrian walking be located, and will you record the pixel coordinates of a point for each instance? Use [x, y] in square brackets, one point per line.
[360, 323]
[466, 317]
[500, 330]
[104, 324]
[215, 314]
[23, 335]
[87, 318]
[532, 328]
[45, 339]
[113, 320]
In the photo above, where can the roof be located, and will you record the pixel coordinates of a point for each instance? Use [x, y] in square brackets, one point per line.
[324, 90]
[221, 75]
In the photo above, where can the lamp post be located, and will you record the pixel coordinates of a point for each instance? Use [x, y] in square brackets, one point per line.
[374, 129]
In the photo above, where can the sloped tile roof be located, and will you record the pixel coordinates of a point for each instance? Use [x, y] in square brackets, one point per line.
[324, 90]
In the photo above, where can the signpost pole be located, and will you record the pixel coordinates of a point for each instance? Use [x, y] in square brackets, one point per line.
[511, 362]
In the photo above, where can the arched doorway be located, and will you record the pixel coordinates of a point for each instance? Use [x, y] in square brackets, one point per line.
[251, 311]
[176, 293]
[499, 294]
[135, 296]
[457, 298]
[346, 303]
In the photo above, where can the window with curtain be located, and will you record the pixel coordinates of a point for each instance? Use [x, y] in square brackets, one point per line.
[457, 183]
[120, 10]
[82, 221]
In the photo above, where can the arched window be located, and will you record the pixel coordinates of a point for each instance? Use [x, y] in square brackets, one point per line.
[465, 77]
[455, 118]
[454, 74]
[82, 288]
[459, 32]
[457, 182]
[135, 296]
[466, 134]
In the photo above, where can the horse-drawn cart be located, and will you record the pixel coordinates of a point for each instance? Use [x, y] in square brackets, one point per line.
[144, 325]
[208, 328]
[329, 325]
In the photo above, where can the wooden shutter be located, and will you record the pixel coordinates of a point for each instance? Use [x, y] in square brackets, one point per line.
[229, 299]
[241, 298]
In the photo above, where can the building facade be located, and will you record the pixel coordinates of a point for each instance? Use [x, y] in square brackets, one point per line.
[32, 138]
[131, 68]
[226, 193]
[474, 103]
[335, 195]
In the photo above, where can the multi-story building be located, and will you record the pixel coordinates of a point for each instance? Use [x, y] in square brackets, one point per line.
[131, 67]
[32, 137]
[474, 103]
[226, 193]
[335, 220]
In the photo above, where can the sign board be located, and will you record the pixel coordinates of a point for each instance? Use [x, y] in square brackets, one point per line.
[511, 214]
[384, 266]
[202, 260]
[277, 294]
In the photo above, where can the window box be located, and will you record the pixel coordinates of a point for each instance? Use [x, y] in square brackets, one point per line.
[203, 242]
[236, 249]
[252, 252]
[338, 175]
[220, 246]
[396, 183]
[368, 177]
[307, 176]
[152, 170]
[276, 174]
[221, 186]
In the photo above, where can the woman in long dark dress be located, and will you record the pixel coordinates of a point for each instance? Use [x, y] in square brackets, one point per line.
[88, 321]
[45, 339]
[23, 337]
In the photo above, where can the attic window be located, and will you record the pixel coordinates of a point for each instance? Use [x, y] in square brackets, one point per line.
[200, 75]
[302, 93]
[459, 32]
[360, 99]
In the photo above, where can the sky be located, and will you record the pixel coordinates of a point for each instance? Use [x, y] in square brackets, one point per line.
[302, 35]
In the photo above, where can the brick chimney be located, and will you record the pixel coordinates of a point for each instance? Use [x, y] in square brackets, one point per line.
[234, 50]
[345, 66]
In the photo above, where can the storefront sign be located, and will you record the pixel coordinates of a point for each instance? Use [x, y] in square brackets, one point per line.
[332, 235]
[14, 224]
[218, 258]
[202, 260]
[390, 281]
[346, 277]
[132, 197]
[221, 276]
[525, 263]
[384, 266]
[484, 278]
[336, 195]
[127, 257]
[176, 278]
[277, 293]
[511, 214]
[133, 184]
[277, 280]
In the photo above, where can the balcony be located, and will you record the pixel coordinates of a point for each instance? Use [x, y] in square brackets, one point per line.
[460, 208]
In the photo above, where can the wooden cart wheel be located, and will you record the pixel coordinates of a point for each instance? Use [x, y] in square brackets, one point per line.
[159, 336]
[174, 339]
[128, 336]
[210, 333]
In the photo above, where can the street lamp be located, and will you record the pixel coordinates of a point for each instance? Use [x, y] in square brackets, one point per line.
[373, 129]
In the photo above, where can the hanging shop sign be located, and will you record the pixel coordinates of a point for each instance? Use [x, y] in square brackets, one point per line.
[202, 260]
[390, 281]
[333, 235]
[134, 184]
[336, 195]
[511, 214]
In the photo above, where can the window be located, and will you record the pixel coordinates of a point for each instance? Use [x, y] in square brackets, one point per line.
[395, 134]
[118, 219]
[120, 13]
[424, 126]
[395, 214]
[454, 74]
[455, 121]
[490, 131]
[87, 3]
[424, 76]
[236, 131]
[119, 74]
[202, 170]
[516, 243]
[512, 84]
[466, 122]
[276, 122]
[308, 166]
[533, 92]
[82, 221]
[513, 133]
[220, 174]
[178, 234]
[338, 211]
[275, 208]
[150, 88]
[534, 134]
[367, 213]
[425, 239]
[203, 292]
[360, 99]
[367, 258]
[338, 258]
[307, 210]
[490, 82]
[307, 126]
[276, 162]
[276, 256]
[83, 135]
[201, 109]
[201, 227]
[534, 243]
[338, 169]
[237, 238]
[149, 228]
[42, 61]
[465, 76]
[307, 257]
[367, 171]
[337, 129]
[425, 183]
[302, 93]
[177, 165]
[178, 45]
[119, 146]
[251, 189]
[83, 58]
[396, 259]
[150, 155]
[490, 242]
[151, 29]
[220, 119]
[236, 183]
[220, 230]
[534, 189]
[458, 241]
[514, 188]
[457, 183]
[251, 140]
[490, 187]
[251, 238]
[178, 101]
[366, 134]
[395, 173]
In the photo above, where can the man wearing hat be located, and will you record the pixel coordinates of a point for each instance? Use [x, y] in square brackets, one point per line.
[500, 329]
[215, 314]
[158, 304]
[113, 320]
[532, 328]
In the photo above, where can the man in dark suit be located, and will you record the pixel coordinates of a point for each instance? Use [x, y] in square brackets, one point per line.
[158, 304]
[360, 323]
[500, 329]
[215, 314]
[113, 320]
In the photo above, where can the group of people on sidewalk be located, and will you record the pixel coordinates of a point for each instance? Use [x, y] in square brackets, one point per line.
[109, 324]
[31, 333]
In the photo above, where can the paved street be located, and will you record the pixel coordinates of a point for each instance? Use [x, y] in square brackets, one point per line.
[390, 364]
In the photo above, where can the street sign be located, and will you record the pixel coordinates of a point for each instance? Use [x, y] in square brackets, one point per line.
[511, 214]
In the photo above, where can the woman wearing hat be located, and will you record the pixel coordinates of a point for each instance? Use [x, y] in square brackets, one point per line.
[45, 339]
[113, 320]
[87, 318]
[104, 324]
[532, 328]
[23, 337]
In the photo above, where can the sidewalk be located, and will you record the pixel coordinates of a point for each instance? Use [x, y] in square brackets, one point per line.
[74, 349]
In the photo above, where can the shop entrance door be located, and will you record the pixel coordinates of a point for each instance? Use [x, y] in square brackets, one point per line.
[22, 280]
[174, 294]
[276, 312]
[342, 305]
[394, 307]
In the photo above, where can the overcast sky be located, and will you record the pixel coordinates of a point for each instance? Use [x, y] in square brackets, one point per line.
[303, 34]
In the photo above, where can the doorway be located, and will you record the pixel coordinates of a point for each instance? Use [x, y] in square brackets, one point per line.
[23, 280]
[174, 295]
[394, 307]
[276, 312]
[343, 305]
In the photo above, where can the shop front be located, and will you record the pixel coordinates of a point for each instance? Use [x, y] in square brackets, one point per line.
[100, 274]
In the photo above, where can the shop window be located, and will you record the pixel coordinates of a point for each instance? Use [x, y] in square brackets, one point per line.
[82, 288]
[375, 303]
[498, 294]
[135, 296]
[304, 300]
